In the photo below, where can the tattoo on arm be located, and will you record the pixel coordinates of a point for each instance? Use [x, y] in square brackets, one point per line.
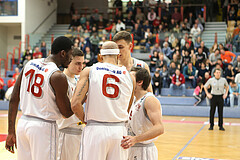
[79, 93]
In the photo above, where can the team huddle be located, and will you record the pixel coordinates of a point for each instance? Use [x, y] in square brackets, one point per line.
[113, 98]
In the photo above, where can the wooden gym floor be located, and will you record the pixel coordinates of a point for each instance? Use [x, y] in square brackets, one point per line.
[184, 138]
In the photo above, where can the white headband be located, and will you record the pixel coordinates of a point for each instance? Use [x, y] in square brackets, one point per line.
[109, 52]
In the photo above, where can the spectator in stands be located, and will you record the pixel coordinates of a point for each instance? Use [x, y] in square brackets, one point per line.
[213, 57]
[157, 48]
[94, 16]
[27, 52]
[118, 4]
[195, 31]
[176, 15]
[198, 93]
[188, 49]
[89, 57]
[229, 73]
[184, 28]
[214, 47]
[161, 62]
[227, 56]
[218, 66]
[178, 81]
[237, 78]
[236, 42]
[129, 22]
[101, 23]
[151, 16]
[167, 50]
[157, 83]
[120, 25]
[185, 59]
[156, 23]
[83, 20]
[119, 16]
[146, 25]
[187, 24]
[165, 77]
[137, 33]
[171, 70]
[129, 6]
[16, 72]
[201, 56]
[189, 74]
[167, 40]
[44, 49]
[234, 92]
[201, 72]
[2, 92]
[191, 19]
[153, 62]
[176, 61]
[140, 16]
[94, 39]
[204, 48]
[197, 43]
[28, 58]
[236, 64]
[37, 54]
[75, 23]
[236, 31]
[201, 20]
[171, 25]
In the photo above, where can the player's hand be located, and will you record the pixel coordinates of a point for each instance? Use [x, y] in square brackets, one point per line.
[11, 142]
[224, 96]
[209, 96]
[128, 141]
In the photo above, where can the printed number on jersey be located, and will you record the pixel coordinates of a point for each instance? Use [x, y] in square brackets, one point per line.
[109, 89]
[36, 87]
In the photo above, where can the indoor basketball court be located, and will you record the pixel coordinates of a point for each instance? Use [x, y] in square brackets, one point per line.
[186, 138]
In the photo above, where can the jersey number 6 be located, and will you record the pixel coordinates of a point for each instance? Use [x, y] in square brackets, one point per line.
[105, 84]
[36, 83]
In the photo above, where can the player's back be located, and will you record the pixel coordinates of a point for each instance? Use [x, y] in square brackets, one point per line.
[109, 93]
[37, 97]
[138, 63]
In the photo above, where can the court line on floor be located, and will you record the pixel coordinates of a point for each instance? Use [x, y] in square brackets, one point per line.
[177, 155]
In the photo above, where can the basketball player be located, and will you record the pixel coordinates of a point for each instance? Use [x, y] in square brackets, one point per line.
[124, 42]
[70, 129]
[145, 120]
[110, 91]
[41, 90]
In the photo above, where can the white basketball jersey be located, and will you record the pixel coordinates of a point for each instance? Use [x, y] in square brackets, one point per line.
[37, 97]
[138, 63]
[109, 93]
[138, 120]
[73, 120]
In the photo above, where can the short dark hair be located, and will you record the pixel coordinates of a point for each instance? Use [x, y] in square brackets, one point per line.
[123, 35]
[61, 43]
[77, 52]
[142, 75]
[217, 70]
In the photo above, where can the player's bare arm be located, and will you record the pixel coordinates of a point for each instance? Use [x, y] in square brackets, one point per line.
[12, 114]
[154, 112]
[149, 89]
[132, 97]
[80, 94]
[59, 84]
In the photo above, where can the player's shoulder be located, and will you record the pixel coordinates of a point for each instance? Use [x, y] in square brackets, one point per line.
[151, 100]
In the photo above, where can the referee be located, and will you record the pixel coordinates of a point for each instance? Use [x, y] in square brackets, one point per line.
[217, 97]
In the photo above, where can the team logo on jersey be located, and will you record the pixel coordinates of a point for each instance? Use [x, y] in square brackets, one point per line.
[124, 72]
[138, 107]
[46, 70]
[139, 65]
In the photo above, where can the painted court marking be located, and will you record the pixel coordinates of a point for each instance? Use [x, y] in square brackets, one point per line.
[176, 156]
[196, 158]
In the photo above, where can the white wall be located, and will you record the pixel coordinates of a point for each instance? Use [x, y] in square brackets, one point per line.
[36, 12]
[11, 32]
[64, 5]
[3, 41]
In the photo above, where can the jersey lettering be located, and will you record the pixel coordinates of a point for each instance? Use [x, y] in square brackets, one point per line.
[36, 88]
[105, 84]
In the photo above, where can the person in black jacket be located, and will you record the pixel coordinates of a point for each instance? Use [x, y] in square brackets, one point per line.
[157, 83]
